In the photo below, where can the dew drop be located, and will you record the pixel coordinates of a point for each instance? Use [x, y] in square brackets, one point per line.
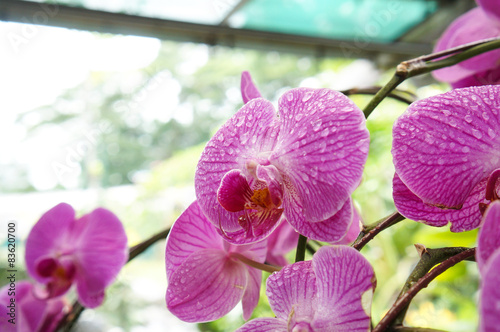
[289, 96]
[465, 149]
[491, 133]
[324, 133]
[486, 116]
[477, 134]
[304, 176]
[446, 112]
[221, 137]
[468, 118]
[316, 124]
[307, 96]
[299, 116]
[440, 161]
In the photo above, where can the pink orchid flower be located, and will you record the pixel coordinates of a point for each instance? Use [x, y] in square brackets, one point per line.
[302, 164]
[446, 152]
[28, 314]
[488, 261]
[332, 292]
[205, 274]
[479, 23]
[89, 251]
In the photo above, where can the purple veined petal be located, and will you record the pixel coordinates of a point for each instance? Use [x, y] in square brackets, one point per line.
[264, 324]
[488, 239]
[292, 292]
[268, 221]
[470, 27]
[354, 229]
[248, 89]
[100, 253]
[488, 77]
[322, 149]
[345, 283]
[206, 286]
[489, 299]
[48, 236]
[250, 133]
[333, 229]
[444, 145]
[281, 242]
[491, 8]
[191, 232]
[252, 292]
[255, 251]
[411, 207]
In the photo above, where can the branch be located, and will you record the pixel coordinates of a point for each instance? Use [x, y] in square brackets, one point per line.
[425, 64]
[404, 299]
[72, 316]
[400, 95]
[370, 231]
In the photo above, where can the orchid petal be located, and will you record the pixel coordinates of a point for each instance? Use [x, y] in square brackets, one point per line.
[252, 292]
[487, 77]
[292, 292]
[48, 236]
[411, 207]
[345, 285]
[100, 253]
[488, 240]
[247, 134]
[331, 230]
[280, 242]
[234, 191]
[354, 229]
[470, 27]
[489, 303]
[264, 324]
[322, 148]
[491, 8]
[191, 232]
[206, 286]
[32, 314]
[248, 89]
[267, 221]
[444, 145]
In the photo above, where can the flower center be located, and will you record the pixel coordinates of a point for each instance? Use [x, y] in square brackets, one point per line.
[260, 198]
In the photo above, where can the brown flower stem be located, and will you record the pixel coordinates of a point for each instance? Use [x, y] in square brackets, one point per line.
[400, 95]
[300, 254]
[260, 266]
[370, 231]
[72, 316]
[413, 287]
[414, 329]
[427, 63]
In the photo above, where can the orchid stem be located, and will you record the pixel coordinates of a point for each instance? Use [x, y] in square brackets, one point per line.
[300, 254]
[260, 266]
[72, 316]
[413, 287]
[370, 231]
[425, 64]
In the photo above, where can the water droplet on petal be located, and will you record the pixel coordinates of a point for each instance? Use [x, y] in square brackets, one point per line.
[477, 134]
[316, 125]
[221, 137]
[299, 116]
[289, 96]
[465, 149]
[468, 118]
[491, 133]
[307, 96]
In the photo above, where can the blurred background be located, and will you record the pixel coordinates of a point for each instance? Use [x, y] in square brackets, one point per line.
[111, 103]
